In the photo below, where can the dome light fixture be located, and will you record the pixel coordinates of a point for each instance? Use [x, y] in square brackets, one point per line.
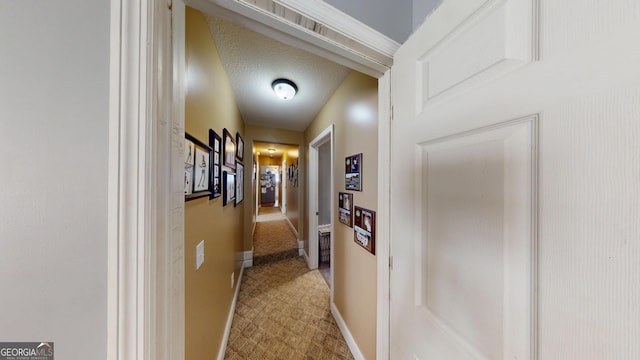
[285, 89]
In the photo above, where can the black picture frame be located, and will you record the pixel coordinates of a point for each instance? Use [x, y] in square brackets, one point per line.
[229, 149]
[215, 141]
[353, 172]
[364, 229]
[239, 196]
[345, 208]
[239, 147]
[229, 188]
[200, 161]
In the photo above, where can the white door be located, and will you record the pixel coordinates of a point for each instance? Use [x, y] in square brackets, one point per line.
[515, 190]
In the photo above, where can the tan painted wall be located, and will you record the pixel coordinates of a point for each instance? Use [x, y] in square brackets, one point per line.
[208, 293]
[294, 198]
[353, 109]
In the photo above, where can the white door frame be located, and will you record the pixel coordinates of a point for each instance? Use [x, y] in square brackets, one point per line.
[145, 260]
[145, 306]
[312, 257]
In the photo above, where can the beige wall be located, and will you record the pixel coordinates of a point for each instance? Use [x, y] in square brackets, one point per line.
[353, 109]
[294, 195]
[208, 292]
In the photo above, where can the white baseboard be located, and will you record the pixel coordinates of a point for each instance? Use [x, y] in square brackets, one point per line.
[232, 311]
[355, 350]
[247, 259]
[300, 247]
[306, 258]
[293, 229]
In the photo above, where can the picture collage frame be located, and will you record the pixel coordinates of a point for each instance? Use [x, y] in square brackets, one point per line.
[197, 168]
[214, 170]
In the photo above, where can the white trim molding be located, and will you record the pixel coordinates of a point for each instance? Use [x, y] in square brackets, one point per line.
[325, 136]
[145, 295]
[344, 24]
[351, 342]
[318, 28]
[130, 224]
[232, 311]
[384, 204]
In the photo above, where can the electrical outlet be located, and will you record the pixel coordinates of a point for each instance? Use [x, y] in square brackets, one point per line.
[233, 279]
[199, 254]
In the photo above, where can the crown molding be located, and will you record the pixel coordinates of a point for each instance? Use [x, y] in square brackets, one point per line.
[299, 25]
[348, 26]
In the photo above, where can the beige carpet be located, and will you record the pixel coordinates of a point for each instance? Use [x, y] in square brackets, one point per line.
[273, 239]
[283, 313]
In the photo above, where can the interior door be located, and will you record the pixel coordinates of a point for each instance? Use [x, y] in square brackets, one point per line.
[492, 160]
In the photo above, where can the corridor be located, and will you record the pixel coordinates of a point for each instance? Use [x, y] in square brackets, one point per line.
[283, 308]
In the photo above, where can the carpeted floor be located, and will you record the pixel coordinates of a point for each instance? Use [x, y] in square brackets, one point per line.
[273, 239]
[283, 313]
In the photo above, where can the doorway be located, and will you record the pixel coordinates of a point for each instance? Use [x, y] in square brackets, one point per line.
[269, 186]
[321, 200]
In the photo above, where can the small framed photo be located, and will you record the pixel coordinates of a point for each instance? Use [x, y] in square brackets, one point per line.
[229, 187]
[239, 147]
[197, 174]
[345, 208]
[353, 172]
[239, 183]
[189, 163]
[364, 229]
[229, 149]
[215, 142]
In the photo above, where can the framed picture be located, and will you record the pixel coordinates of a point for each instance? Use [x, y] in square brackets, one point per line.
[345, 208]
[239, 183]
[239, 147]
[364, 229]
[189, 162]
[215, 142]
[229, 150]
[198, 157]
[229, 188]
[353, 172]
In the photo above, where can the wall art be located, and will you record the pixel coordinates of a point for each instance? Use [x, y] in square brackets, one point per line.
[197, 174]
[229, 149]
[216, 144]
[345, 208]
[364, 228]
[353, 172]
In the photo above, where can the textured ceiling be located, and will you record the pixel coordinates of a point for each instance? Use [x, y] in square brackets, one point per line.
[280, 149]
[252, 61]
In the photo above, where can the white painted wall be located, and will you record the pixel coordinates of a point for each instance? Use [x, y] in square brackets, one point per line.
[53, 159]
[391, 18]
[324, 184]
[421, 9]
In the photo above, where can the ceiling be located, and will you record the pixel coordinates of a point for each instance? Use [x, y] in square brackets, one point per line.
[252, 61]
[280, 149]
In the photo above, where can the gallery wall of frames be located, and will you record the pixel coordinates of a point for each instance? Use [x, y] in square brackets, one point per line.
[363, 221]
[214, 169]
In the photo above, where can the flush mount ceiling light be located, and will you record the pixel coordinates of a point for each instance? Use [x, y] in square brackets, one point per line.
[271, 150]
[285, 89]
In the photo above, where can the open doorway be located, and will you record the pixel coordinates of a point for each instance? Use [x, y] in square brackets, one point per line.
[324, 210]
[321, 203]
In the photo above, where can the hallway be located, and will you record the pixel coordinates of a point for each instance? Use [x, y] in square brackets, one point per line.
[283, 308]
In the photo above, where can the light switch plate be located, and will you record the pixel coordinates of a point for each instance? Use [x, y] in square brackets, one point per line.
[199, 254]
